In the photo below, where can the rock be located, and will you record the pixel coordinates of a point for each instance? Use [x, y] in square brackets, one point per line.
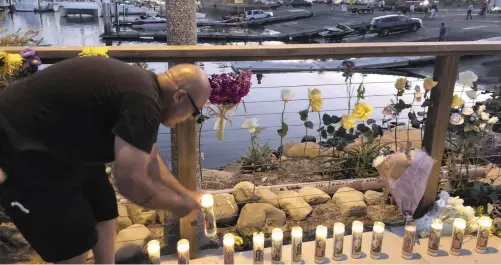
[309, 138]
[149, 217]
[216, 174]
[256, 217]
[245, 192]
[141, 216]
[225, 208]
[350, 202]
[123, 220]
[130, 242]
[284, 149]
[264, 179]
[313, 195]
[308, 149]
[294, 205]
[372, 197]
[268, 196]
[389, 138]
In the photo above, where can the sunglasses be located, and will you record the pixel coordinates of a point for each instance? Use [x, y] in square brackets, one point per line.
[197, 110]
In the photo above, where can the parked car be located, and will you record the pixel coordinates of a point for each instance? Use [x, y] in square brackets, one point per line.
[321, 1]
[257, 14]
[385, 25]
[300, 3]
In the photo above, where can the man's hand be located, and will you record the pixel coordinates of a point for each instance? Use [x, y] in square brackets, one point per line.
[190, 201]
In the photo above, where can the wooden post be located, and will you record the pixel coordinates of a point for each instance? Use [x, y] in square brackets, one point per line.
[106, 16]
[446, 71]
[182, 30]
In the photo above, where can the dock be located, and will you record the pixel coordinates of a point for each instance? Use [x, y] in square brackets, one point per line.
[208, 36]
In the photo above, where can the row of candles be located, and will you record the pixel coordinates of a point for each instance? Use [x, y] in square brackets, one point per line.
[357, 228]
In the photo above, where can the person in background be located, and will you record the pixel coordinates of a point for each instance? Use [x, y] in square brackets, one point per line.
[60, 126]
[434, 10]
[412, 9]
[441, 37]
[468, 12]
[363, 29]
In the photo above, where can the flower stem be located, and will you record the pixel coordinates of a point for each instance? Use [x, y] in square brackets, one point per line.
[281, 126]
[319, 132]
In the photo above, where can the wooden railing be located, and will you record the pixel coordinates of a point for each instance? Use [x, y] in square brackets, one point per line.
[445, 71]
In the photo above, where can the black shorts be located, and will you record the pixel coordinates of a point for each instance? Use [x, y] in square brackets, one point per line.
[56, 206]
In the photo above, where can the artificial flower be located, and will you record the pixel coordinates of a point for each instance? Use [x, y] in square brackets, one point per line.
[468, 213]
[250, 124]
[400, 83]
[455, 201]
[238, 241]
[418, 96]
[286, 94]
[348, 122]
[468, 111]
[11, 62]
[229, 88]
[388, 111]
[94, 51]
[457, 101]
[378, 160]
[467, 78]
[27, 53]
[492, 120]
[417, 88]
[428, 83]
[456, 119]
[472, 94]
[485, 116]
[481, 126]
[481, 108]
[362, 111]
[315, 98]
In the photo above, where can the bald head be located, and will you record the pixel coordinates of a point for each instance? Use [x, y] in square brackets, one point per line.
[178, 84]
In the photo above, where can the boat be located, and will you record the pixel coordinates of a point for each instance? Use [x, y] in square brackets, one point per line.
[156, 22]
[80, 8]
[7, 5]
[33, 6]
[130, 9]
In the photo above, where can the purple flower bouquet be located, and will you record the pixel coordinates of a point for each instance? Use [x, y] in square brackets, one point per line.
[227, 92]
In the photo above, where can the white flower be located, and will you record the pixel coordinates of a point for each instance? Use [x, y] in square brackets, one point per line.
[250, 124]
[286, 94]
[455, 201]
[467, 78]
[202, 155]
[467, 212]
[378, 161]
[456, 119]
[472, 94]
[481, 108]
[108, 170]
[484, 116]
[492, 120]
[468, 111]
[482, 126]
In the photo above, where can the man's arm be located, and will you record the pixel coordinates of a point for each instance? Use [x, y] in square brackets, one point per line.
[145, 179]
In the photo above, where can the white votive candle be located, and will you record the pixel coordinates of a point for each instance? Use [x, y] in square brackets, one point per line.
[229, 248]
[436, 228]
[320, 243]
[357, 230]
[277, 238]
[484, 229]
[338, 234]
[258, 247]
[458, 228]
[297, 244]
[409, 240]
[154, 251]
[377, 239]
[207, 202]
[183, 251]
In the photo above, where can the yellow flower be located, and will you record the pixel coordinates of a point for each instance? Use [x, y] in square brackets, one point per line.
[428, 83]
[348, 122]
[94, 51]
[457, 101]
[11, 62]
[362, 111]
[400, 84]
[238, 241]
[316, 101]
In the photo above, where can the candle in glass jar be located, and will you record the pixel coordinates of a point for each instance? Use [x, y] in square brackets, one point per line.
[183, 251]
[277, 237]
[229, 248]
[320, 243]
[154, 251]
[357, 230]
[297, 244]
[377, 239]
[207, 202]
[338, 235]
[458, 228]
[435, 234]
[484, 229]
[258, 246]
[409, 240]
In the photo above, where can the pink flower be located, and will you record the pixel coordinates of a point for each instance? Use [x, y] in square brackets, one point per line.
[229, 88]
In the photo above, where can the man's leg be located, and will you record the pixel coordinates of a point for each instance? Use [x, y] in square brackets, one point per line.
[104, 250]
[81, 259]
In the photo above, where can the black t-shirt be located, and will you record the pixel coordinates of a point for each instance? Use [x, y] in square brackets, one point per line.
[74, 109]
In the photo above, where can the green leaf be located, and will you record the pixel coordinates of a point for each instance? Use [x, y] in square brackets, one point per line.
[308, 124]
[324, 134]
[303, 115]
[326, 119]
[320, 129]
[330, 129]
[282, 132]
[335, 119]
[258, 130]
[370, 121]
[361, 127]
